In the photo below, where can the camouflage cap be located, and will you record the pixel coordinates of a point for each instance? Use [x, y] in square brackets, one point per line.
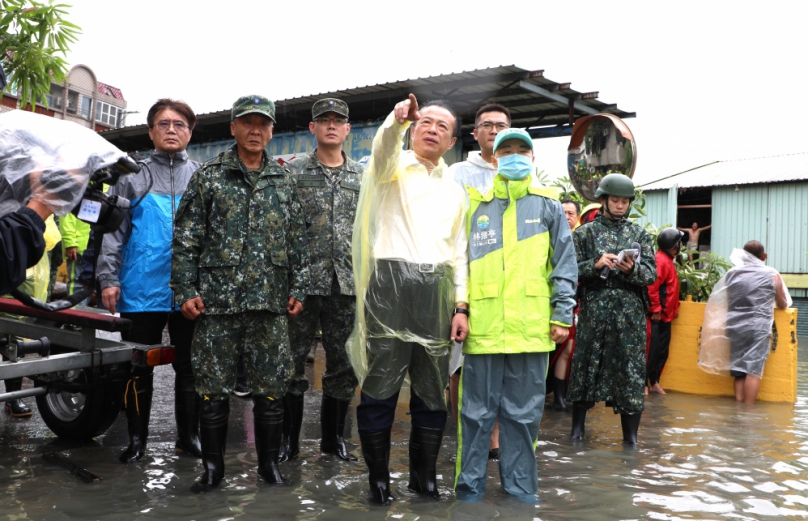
[253, 105]
[329, 105]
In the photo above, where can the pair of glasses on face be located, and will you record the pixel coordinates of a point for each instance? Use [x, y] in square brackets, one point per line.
[337, 122]
[487, 126]
[165, 124]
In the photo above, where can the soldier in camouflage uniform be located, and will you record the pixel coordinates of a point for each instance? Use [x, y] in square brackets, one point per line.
[609, 360]
[240, 265]
[328, 186]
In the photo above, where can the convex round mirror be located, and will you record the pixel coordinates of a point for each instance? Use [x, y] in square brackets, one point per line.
[601, 144]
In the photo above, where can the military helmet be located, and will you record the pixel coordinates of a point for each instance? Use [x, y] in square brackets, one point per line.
[618, 185]
[669, 238]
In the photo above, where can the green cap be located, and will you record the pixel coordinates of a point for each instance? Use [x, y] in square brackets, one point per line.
[253, 105]
[618, 185]
[329, 105]
[513, 133]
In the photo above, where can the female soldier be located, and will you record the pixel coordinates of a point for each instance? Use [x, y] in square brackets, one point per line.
[609, 360]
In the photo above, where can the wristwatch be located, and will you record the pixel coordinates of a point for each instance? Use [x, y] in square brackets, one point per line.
[460, 310]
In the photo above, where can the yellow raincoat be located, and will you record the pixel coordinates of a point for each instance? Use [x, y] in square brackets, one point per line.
[407, 214]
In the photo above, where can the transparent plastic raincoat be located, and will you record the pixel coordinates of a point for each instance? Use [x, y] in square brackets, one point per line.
[738, 318]
[64, 153]
[409, 216]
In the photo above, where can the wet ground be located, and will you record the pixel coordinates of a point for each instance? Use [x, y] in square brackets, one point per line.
[698, 458]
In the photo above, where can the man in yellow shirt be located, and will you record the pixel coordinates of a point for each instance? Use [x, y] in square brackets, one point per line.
[411, 271]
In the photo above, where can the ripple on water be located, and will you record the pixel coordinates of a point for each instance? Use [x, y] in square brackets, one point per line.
[699, 458]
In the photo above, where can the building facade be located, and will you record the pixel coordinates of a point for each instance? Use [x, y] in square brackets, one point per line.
[81, 99]
[763, 199]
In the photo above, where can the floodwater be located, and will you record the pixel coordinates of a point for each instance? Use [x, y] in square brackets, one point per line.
[698, 458]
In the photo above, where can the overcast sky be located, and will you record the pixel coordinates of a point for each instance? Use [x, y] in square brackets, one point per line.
[709, 80]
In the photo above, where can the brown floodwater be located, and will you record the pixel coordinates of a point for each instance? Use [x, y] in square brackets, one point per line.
[698, 458]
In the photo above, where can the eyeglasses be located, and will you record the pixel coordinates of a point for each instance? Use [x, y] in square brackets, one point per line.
[165, 124]
[487, 125]
[337, 122]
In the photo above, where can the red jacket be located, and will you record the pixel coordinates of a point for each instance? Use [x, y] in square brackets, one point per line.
[664, 292]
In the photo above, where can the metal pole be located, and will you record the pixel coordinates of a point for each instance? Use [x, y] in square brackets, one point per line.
[25, 393]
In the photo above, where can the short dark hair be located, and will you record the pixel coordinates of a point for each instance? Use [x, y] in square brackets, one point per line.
[755, 248]
[576, 203]
[442, 103]
[176, 105]
[492, 107]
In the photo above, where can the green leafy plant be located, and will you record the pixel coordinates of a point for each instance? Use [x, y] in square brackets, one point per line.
[540, 176]
[567, 191]
[32, 36]
[697, 277]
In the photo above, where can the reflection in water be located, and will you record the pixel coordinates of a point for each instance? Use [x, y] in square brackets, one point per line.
[699, 458]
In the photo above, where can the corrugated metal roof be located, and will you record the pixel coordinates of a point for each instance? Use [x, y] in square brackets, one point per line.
[773, 169]
[534, 101]
[467, 90]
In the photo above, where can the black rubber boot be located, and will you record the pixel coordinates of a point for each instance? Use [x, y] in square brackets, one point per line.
[332, 420]
[268, 420]
[424, 447]
[579, 410]
[376, 451]
[16, 408]
[186, 412]
[292, 422]
[630, 424]
[137, 402]
[213, 436]
[559, 391]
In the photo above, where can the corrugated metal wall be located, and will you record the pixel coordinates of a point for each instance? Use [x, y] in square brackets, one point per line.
[787, 240]
[776, 215]
[738, 217]
[357, 145]
[656, 204]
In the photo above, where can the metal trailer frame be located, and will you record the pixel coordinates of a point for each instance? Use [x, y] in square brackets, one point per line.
[78, 351]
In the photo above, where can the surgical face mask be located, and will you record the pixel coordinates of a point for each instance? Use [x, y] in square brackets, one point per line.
[515, 166]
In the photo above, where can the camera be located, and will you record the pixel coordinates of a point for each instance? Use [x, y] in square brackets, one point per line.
[105, 213]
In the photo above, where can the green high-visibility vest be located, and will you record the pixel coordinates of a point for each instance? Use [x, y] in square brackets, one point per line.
[509, 268]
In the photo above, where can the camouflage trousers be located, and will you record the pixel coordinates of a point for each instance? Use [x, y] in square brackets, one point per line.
[608, 364]
[263, 338]
[336, 317]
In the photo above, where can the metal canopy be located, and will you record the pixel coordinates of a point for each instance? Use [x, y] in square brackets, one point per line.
[545, 107]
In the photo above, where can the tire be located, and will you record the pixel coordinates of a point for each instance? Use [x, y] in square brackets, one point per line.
[82, 415]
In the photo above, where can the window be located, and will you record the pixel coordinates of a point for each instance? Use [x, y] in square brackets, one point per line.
[108, 114]
[72, 101]
[55, 98]
[86, 107]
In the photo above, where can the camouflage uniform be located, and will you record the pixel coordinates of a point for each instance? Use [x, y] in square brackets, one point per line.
[328, 196]
[240, 244]
[609, 360]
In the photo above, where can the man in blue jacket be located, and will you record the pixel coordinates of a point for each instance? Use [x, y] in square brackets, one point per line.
[134, 269]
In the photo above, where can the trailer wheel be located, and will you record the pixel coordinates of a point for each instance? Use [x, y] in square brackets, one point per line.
[82, 415]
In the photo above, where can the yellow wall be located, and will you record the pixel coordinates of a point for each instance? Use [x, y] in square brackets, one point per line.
[682, 373]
